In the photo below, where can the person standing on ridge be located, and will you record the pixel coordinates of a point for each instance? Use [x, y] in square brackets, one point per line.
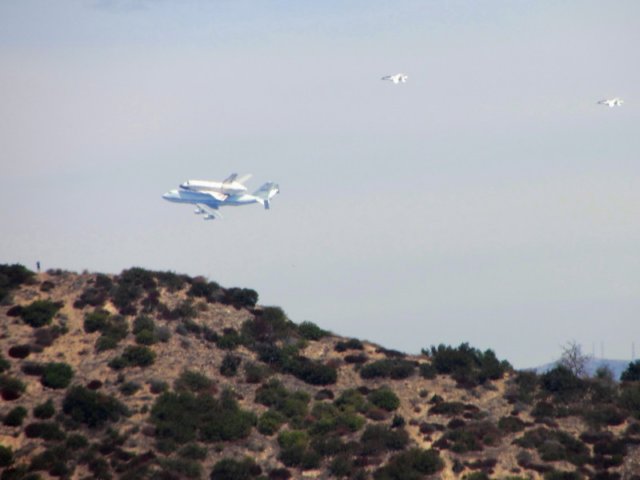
[38, 265]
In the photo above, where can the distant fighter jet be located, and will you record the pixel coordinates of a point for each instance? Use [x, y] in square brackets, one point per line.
[612, 102]
[208, 196]
[397, 78]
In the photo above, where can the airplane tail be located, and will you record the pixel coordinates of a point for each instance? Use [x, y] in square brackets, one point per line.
[265, 193]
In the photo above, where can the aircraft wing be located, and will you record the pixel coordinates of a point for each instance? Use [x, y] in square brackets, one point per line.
[230, 178]
[209, 210]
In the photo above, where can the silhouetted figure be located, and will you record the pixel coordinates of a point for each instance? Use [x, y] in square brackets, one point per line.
[38, 265]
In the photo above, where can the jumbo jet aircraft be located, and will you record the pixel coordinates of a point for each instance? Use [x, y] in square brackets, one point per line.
[208, 197]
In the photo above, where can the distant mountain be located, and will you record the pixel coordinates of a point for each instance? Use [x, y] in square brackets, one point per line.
[616, 366]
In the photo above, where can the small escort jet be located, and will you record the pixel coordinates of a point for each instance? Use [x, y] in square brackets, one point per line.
[397, 78]
[612, 102]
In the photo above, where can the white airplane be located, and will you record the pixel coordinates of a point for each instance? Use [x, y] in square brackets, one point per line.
[397, 78]
[208, 197]
[612, 102]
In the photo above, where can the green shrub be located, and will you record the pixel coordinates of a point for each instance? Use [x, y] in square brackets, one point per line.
[293, 438]
[4, 364]
[632, 372]
[467, 365]
[384, 398]
[311, 331]
[94, 409]
[352, 399]
[195, 382]
[132, 284]
[40, 312]
[270, 422]
[255, 373]
[329, 445]
[44, 430]
[230, 364]
[6, 456]
[139, 356]
[630, 398]
[543, 409]
[96, 321]
[267, 326]
[183, 417]
[134, 356]
[158, 386]
[295, 451]
[193, 451]
[116, 327]
[181, 467]
[210, 291]
[428, 371]
[511, 424]
[76, 441]
[143, 322]
[275, 395]
[447, 408]
[358, 358]
[11, 277]
[470, 437]
[11, 388]
[171, 281]
[44, 410]
[106, 343]
[57, 375]
[20, 351]
[562, 475]
[163, 334]
[330, 419]
[15, 416]
[476, 476]
[342, 466]
[240, 297]
[398, 421]
[229, 340]
[230, 469]
[351, 344]
[388, 368]
[523, 387]
[411, 464]
[563, 384]
[146, 337]
[45, 336]
[603, 415]
[310, 371]
[129, 388]
[555, 445]
[377, 439]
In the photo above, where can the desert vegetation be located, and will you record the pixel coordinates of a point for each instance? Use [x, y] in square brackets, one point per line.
[158, 375]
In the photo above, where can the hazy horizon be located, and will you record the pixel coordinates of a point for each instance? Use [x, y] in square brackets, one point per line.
[488, 200]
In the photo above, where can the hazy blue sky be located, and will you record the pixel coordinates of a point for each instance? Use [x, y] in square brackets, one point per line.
[488, 200]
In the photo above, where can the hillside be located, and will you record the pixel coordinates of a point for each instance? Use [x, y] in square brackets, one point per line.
[157, 375]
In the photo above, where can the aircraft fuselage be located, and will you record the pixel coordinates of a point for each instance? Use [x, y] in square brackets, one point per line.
[189, 196]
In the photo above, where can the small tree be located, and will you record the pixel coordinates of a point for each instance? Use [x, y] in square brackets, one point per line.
[573, 359]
